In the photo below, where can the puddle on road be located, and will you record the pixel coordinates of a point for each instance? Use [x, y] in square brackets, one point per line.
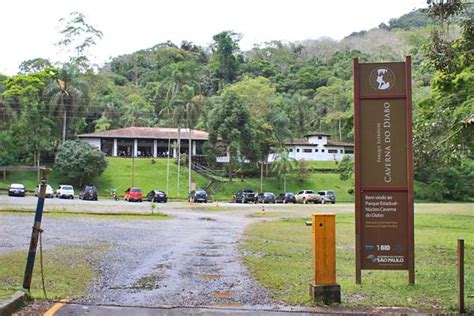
[204, 254]
[207, 219]
[160, 266]
[227, 304]
[222, 295]
[210, 276]
[204, 265]
[149, 282]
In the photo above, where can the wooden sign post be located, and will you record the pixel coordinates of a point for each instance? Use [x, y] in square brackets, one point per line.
[383, 167]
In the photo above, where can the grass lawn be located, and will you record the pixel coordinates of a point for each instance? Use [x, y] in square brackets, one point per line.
[68, 271]
[148, 176]
[279, 255]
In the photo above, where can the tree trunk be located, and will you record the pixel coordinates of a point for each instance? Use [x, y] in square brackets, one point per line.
[284, 183]
[340, 130]
[64, 118]
[261, 176]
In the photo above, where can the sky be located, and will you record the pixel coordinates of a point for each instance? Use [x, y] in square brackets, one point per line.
[30, 28]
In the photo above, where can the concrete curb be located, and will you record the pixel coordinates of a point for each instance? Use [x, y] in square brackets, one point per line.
[13, 303]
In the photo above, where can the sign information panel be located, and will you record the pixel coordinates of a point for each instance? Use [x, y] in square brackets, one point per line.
[383, 167]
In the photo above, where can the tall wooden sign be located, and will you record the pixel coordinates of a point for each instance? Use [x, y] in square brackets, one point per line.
[383, 167]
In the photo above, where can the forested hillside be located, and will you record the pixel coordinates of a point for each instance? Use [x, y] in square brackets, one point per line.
[252, 100]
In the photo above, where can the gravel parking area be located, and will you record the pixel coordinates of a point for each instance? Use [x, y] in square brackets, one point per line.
[189, 260]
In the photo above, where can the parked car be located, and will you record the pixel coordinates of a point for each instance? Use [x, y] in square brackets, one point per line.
[133, 194]
[16, 189]
[89, 192]
[327, 196]
[157, 196]
[245, 196]
[49, 191]
[307, 196]
[198, 196]
[65, 191]
[265, 197]
[285, 197]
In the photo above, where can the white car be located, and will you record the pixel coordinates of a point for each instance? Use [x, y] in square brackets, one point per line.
[49, 191]
[65, 191]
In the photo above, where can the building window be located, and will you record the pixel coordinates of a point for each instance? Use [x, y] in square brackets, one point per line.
[332, 151]
[322, 150]
[341, 151]
[307, 150]
[290, 150]
[349, 151]
[315, 150]
[320, 137]
[297, 150]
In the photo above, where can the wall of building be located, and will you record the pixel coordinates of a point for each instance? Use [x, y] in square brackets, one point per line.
[314, 153]
[92, 141]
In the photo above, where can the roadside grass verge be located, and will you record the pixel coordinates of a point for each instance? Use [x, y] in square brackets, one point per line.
[100, 216]
[279, 254]
[68, 271]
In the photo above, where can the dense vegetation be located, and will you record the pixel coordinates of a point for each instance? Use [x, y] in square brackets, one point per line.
[274, 91]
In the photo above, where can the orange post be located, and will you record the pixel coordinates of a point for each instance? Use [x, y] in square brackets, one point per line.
[324, 287]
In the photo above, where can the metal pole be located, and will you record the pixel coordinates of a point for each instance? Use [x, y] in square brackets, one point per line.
[168, 167]
[133, 169]
[460, 267]
[30, 262]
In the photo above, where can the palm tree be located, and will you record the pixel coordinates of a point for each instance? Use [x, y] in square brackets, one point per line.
[66, 94]
[182, 78]
[283, 165]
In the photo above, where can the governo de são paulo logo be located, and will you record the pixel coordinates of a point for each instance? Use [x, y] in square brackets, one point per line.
[382, 79]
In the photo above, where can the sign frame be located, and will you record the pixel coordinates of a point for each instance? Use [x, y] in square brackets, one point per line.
[407, 188]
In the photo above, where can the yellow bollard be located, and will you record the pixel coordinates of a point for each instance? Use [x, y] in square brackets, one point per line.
[323, 286]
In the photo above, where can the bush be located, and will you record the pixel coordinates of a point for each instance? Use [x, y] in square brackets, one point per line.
[78, 161]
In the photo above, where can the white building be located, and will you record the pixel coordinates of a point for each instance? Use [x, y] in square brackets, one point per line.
[145, 141]
[316, 146]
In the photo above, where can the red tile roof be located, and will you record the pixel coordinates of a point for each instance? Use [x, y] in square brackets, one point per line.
[297, 141]
[339, 144]
[148, 132]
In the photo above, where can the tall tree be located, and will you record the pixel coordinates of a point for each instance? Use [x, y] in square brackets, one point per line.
[231, 126]
[226, 58]
[66, 94]
[78, 37]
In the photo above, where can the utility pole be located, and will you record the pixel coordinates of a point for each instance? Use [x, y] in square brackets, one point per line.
[179, 158]
[189, 147]
[30, 262]
[168, 167]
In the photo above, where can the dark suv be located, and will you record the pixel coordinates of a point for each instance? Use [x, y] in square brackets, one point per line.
[327, 197]
[245, 196]
[198, 196]
[265, 197]
[286, 197]
[89, 192]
